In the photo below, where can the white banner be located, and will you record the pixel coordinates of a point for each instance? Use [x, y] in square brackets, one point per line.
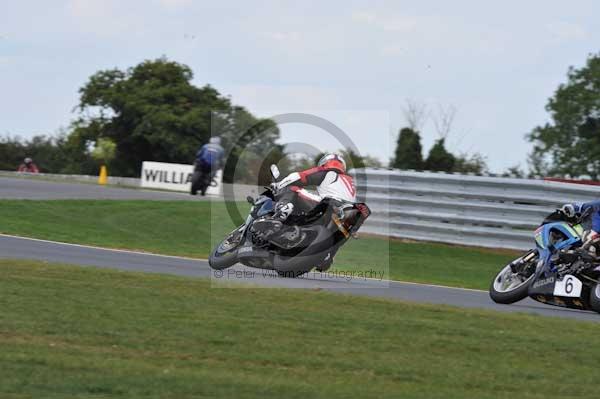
[173, 176]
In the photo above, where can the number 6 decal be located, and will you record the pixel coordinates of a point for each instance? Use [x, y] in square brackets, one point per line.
[569, 286]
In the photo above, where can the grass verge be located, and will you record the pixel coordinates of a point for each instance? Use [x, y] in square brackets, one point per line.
[85, 332]
[185, 228]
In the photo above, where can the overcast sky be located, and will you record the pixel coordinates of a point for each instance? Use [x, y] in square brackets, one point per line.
[497, 63]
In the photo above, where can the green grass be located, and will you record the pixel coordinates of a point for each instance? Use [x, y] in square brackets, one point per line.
[425, 262]
[174, 228]
[74, 332]
[192, 228]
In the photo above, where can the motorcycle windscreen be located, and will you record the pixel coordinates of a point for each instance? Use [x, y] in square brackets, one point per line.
[570, 235]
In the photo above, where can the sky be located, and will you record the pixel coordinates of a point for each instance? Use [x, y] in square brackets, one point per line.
[354, 63]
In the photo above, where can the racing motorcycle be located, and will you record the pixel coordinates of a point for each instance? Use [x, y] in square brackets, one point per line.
[201, 180]
[294, 247]
[560, 271]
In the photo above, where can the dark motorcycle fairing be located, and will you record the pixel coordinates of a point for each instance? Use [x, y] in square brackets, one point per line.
[322, 238]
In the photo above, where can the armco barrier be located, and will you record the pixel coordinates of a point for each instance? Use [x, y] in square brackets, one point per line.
[471, 210]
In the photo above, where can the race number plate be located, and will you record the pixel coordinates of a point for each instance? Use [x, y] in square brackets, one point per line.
[569, 286]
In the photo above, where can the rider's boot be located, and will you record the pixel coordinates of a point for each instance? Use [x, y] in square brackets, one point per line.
[267, 226]
[283, 211]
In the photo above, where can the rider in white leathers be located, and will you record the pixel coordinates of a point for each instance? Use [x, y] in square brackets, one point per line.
[330, 179]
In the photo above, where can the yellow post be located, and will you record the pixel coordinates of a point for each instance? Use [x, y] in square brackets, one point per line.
[103, 178]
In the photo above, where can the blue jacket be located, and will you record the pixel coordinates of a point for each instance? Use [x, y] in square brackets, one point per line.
[211, 155]
[595, 212]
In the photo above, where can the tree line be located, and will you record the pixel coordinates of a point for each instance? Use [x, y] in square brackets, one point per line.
[409, 151]
[152, 112]
[567, 146]
[52, 154]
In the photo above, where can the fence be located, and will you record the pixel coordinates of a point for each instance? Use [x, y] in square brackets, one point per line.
[482, 211]
[471, 210]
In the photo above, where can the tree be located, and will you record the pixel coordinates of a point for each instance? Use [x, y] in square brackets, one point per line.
[570, 144]
[78, 159]
[415, 114]
[299, 162]
[52, 154]
[538, 164]
[371, 161]
[353, 160]
[408, 150]
[152, 112]
[251, 144]
[514, 171]
[12, 153]
[104, 152]
[439, 159]
[443, 120]
[474, 163]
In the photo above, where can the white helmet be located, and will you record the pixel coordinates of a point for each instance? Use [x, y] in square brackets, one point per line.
[333, 160]
[215, 140]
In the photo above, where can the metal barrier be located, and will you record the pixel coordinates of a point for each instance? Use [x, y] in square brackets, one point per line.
[490, 212]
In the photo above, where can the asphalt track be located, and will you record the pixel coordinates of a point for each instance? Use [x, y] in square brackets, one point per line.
[36, 189]
[240, 276]
[24, 248]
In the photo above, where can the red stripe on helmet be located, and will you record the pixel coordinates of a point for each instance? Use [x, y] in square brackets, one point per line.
[334, 164]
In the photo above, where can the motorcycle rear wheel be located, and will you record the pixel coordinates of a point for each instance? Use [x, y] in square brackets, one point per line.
[195, 182]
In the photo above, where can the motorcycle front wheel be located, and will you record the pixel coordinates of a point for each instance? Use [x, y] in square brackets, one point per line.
[509, 287]
[225, 254]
